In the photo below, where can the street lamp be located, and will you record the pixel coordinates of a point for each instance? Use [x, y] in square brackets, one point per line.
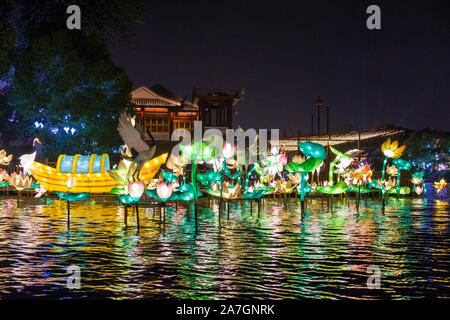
[319, 103]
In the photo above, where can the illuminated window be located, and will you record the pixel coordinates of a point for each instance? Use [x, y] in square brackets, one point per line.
[157, 124]
[183, 124]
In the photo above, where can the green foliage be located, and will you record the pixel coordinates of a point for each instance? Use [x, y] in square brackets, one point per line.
[67, 80]
[427, 147]
[63, 78]
[7, 41]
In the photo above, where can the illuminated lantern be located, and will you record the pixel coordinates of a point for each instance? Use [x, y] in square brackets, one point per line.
[345, 160]
[70, 182]
[20, 181]
[439, 186]
[401, 165]
[228, 150]
[390, 150]
[418, 190]
[297, 178]
[136, 189]
[198, 151]
[314, 150]
[417, 177]
[339, 188]
[303, 168]
[392, 171]
[4, 159]
[3, 178]
[164, 190]
[177, 163]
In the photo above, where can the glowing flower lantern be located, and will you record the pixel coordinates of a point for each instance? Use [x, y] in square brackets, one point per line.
[295, 178]
[390, 150]
[228, 150]
[418, 189]
[177, 163]
[5, 159]
[124, 175]
[164, 190]
[392, 171]
[136, 189]
[285, 186]
[417, 177]
[231, 191]
[20, 181]
[298, 158]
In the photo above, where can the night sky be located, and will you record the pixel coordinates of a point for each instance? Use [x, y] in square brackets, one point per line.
[286, 53]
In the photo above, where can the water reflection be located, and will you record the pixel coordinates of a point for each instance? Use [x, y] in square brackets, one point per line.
[278, 253]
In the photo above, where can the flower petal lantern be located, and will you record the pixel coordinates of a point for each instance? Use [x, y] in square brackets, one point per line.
[136, 189]
[5, 159]
[390, 150]
[20, 181]
[418, 190]
[228, 150]
[164, 191]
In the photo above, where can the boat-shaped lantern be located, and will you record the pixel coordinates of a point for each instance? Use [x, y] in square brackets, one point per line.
[90, 173]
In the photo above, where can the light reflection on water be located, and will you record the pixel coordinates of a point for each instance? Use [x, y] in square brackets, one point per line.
[278, 254]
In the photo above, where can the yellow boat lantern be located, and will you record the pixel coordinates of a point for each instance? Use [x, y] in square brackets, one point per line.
[89, 173]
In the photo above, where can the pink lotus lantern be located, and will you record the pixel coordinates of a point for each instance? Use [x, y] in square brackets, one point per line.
[136, 189]
[228, 150]
[419, 190]
[164, 190]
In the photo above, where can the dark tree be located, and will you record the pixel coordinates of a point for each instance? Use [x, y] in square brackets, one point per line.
[62, 85]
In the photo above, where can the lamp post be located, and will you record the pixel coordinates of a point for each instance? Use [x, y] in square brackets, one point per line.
[319, 103]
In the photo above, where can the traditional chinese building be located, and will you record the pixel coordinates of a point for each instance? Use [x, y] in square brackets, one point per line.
[162, 111]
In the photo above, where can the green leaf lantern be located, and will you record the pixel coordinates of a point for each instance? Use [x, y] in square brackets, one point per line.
[198, 151]
[401, 165]
[338, 188]
[312, 150]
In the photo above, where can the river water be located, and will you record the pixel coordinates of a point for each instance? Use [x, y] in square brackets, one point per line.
[276, 254]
